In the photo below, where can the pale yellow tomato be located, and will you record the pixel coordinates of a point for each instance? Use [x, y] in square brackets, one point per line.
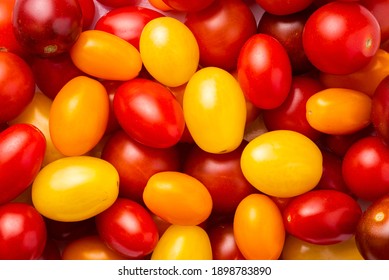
[215, 110]
[169, 51]
[75, 188]
[183, 243]
[79, 116]
[338, 111]
[282, 163]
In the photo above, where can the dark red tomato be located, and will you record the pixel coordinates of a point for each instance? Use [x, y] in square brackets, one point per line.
[88, 10]
[67, 231]
[52, 73]
[136, 163]
[222, 176]
[372, 234]
[22, 149]
[380, 109]
[111, 87]
[223, 243]
[51, 251]
[47, 28]
[188, 5]
[22, 232]
[119, 3]
[149, 113]
[380, 10]
[281, 202]
[291, 114]
[341, 38]
[128, 228]
[365, 168]
[281, 7]
[221, 30]
[264, 71]
[288, 31]
[8, 40]
[322, 216]
[127, 22]
[17, 86]
[332, 178]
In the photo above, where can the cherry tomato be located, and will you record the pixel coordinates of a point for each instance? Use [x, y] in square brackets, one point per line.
[266, 81]
[78, 116]
[149, 113]
[297, 249]
[17, 86]
[22, 232]
[183, 243]
[258, 228]
[338, 111]
[364, 168]
[280, 7]
[291, 113]
[75, 188]
[219, 37]
[380, 9]
[127, 22]
[106, 56]
[8, 40]
[215, 110]
[380, 109]
[47, 28]
[119, 3]
[22, 149]
[178, 198]
[322, 216]
[188, 6]
[372, 236]
[89, 248]
[128, 228]
[341, 38]
[136, 163]
[167, 45]
[65, 232]
[282, 163]
[88, 13]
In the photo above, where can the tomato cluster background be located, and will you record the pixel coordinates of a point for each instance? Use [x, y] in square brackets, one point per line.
[208, 129]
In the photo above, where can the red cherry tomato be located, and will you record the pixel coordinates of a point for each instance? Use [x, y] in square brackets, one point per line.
[119, 3]
[281, 7]
[380, 10]
[88, 10]
[188, 5]
[8, 40]
[380, 109]
[322, 217]
[22, 232]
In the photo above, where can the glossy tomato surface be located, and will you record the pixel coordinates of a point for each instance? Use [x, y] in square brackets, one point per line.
[380, 109]
[280, 7]
[8, 40]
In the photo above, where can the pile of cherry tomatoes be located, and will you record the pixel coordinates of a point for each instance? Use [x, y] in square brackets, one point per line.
[201, 129]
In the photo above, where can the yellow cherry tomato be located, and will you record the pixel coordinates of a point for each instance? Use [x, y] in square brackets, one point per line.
[338, 111]
[183, 243]
[79, 116]
[365, 80]
[75, 188]
[215, 110]
[297, 249]
[282, 163]
[37, 113]
[169, 51]
[258, 228]
[106, 56]
[177, 198]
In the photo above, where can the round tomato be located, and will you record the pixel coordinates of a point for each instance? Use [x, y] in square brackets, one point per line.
[341, 38]
[281, 7]
[380, 109]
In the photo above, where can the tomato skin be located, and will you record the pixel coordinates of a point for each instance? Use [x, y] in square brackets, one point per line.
[106, 56]
[26, 239]
[92, 189]
[349, 34]
[78, 116]
[119, 3]
[117, 22]
[215, 110]
[183, 243]
[128, 228]
[88, 13]
[136, 163]
[265, 82]
[380, 9]
[17, 86]
[188, 6]
[22, 149]
[221, 30]
[254, 214]
[280, 7]
[364, 168]
[322, 216]
[380, 109]
[8, 40]
[177, 198]
[338, 111]
[372, 235]
[166, 45]
[284, 152]
[161, 126]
